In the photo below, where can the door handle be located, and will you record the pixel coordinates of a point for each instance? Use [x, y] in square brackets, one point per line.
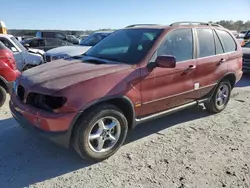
[190, 68]
[221, 61]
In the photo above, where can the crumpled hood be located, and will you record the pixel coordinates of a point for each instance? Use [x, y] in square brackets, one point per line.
[61, 74]
[69, 50]
[246, 50]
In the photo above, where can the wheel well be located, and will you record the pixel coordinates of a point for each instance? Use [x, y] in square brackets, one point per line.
[121, 103]
[2, 83]
[231, 78]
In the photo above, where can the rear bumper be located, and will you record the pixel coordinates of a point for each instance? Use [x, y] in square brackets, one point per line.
[55, 127]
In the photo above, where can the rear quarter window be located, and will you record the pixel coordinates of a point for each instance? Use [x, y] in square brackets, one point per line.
[227, 41]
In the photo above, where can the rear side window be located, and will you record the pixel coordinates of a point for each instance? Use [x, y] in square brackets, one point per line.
[205, 42]
[227, 41]
[218, 45]
[178, 43]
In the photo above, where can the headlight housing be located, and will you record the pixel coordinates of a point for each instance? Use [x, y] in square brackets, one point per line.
[46, 102]
[59, 56]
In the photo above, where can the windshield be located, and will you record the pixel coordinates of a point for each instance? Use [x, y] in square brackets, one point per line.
[93, 39]
[22, 48]
[126, 45]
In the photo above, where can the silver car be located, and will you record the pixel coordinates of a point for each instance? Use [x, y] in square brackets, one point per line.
[69, 51]
[25, 59]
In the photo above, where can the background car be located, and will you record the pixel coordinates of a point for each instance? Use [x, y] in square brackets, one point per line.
[8, 72]
[44, 43]
[58, 35]
[24, 58]
[67, 51]
[81, 37]
[246, 58]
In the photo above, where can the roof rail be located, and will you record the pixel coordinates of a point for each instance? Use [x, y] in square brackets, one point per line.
[195, 23]
[134, 25]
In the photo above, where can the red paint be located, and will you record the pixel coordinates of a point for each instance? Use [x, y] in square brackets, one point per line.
[155, 89]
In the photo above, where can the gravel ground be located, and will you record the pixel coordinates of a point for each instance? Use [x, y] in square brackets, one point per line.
[188, 149]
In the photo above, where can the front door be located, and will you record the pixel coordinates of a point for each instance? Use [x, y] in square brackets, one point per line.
[165, 88]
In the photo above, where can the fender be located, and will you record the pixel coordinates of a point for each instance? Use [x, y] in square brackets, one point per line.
[218, 82]
[103, 100]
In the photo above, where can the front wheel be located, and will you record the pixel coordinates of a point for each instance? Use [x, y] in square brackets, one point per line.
[100, 132]
[220, 98]
[2, 96]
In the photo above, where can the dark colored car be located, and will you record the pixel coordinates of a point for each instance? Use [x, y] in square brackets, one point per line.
[8, 72]
[57, 35]
[246, 58]
[44, 43]
[131, 76]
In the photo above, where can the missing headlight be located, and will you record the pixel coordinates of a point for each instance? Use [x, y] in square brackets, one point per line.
[45, 102]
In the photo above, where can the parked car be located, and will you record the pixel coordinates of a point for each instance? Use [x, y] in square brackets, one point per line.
[133, 75]
[24, 59]
[44, 43]
[246, 58]
[81, 37]
[68, 51]
[244, 37]
[73, 37]
[8, 72]
[58, 35]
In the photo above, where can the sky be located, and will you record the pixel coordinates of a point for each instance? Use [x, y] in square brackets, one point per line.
[99, 14]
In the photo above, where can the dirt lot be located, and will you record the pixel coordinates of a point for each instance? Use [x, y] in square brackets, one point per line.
[188, 149]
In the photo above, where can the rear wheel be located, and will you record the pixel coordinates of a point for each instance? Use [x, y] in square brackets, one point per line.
[220, 98]
[2, 96]
[100, 132]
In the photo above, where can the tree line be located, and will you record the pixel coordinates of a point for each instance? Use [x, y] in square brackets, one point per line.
[229, 24]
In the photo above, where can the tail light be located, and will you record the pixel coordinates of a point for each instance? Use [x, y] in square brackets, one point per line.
[7, 56]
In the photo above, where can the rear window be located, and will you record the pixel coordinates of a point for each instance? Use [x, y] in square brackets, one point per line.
[227, 41]
[2, 46]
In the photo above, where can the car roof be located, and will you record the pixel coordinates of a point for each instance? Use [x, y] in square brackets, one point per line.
[176, 24]
[6, 35]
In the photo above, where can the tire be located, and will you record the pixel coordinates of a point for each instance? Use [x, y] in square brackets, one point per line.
[216, 106]
[2, 96]
[88, 125]
[28, 67]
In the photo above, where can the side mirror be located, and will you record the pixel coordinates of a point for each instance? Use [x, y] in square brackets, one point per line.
[26, 46]
[165, 61]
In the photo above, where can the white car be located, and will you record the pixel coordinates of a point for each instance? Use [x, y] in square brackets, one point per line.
[25, 59]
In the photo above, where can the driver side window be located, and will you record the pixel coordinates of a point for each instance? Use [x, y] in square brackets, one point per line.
[178, 43]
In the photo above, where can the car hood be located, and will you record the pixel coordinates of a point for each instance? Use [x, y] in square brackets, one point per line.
[246, 50]
[69, 50]
[65, 73]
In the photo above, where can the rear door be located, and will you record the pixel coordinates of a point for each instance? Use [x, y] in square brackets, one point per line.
[211, 61]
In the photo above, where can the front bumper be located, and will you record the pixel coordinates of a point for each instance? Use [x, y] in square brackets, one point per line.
[54, 127]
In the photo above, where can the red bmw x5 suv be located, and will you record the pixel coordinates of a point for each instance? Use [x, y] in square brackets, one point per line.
[135, 74]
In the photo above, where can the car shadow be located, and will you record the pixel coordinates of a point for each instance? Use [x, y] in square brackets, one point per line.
[26, 160]
[244, 81]
[155, 126]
